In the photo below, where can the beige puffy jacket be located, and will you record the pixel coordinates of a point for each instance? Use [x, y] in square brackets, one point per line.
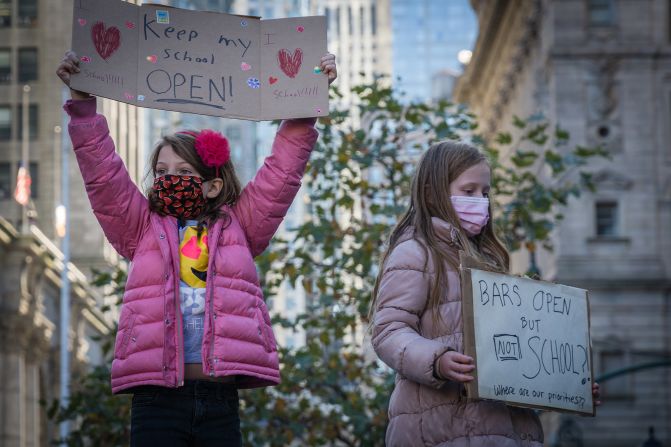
[425, 410]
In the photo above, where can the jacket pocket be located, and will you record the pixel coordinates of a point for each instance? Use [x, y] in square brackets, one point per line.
[124, 337]
[262, 327]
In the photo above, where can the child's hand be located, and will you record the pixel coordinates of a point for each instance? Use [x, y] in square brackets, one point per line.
[328, 66]
[69, 66]
[596, 394]
[455, 366]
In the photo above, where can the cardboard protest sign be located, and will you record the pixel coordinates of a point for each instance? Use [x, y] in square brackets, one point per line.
[200, 62]
[530, 341]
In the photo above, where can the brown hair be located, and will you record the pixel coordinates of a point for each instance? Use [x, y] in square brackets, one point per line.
[440, 165]
[183, 145]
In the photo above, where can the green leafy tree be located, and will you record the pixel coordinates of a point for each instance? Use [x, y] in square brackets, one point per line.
[96, 416]
[534, 175]
[333, 390]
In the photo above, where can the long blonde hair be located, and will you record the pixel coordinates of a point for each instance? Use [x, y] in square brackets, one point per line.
[440, 165]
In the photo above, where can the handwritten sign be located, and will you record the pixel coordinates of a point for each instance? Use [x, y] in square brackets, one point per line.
[201, 62]
[530, 341]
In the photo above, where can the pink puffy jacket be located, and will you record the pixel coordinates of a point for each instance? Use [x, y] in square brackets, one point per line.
[425, 410]
[238, 338]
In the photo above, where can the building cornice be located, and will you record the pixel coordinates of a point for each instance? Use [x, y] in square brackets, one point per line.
[44, 256]
[507, 34]
[614, 50]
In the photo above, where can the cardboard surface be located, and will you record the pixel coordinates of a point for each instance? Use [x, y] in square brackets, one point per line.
[530, 340]
[201, 62]
[291, 68]
[107, 44]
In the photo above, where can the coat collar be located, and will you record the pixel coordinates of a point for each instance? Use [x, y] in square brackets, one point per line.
[445, 231]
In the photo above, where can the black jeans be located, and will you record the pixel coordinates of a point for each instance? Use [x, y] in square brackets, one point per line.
[200, 413]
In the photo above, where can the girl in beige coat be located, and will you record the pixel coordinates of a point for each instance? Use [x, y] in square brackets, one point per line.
[417, 326]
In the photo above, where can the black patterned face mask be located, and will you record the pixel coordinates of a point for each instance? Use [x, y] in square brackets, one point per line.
[180, 196]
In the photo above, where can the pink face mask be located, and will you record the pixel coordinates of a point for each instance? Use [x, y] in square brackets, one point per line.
[473, 213]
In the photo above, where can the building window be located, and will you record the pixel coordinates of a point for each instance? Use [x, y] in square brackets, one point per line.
[373, 20]
[27, 12]
[601, 12]
[27, 64]
[290, 304]
[337, 19]
[606, 219]
[5, 65]
[5, 181]
[33, 121]
[617, 387]
[5, 122]
[5, 13]
[233, 133]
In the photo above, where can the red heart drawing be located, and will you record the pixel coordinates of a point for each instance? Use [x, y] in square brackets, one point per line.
[272, 80]
[106, 40]
[129, 24]
[82, 22]
[290, 63]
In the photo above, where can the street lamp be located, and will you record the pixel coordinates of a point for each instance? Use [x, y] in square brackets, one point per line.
[63, 231]
[464, 56]
[61, 216]
[60, 211]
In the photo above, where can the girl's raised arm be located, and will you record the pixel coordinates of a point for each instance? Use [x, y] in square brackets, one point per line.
[119, 206]
[265, 200]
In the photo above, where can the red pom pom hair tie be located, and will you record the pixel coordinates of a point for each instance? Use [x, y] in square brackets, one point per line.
[212, 147]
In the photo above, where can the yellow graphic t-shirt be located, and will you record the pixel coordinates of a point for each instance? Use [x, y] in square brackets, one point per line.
[193, 258]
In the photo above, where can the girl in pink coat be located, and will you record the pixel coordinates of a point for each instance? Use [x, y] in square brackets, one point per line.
[194, 327]
[417, 326]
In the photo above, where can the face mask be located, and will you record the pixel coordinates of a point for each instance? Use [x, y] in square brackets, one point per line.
[180, 196]
[473, 213]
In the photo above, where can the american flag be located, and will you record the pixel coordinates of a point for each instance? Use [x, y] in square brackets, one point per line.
[23, 181]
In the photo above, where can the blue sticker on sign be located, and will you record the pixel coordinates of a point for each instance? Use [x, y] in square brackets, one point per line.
[162, 16]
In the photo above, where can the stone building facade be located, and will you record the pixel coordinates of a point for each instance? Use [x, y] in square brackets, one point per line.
[34, 35]
[602, 70]
[30, 283]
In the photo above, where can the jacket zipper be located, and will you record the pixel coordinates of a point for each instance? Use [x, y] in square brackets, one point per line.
[180, 342]
[178, 323]
[211, 360]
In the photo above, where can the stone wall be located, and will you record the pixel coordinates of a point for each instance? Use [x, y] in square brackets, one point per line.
[30, 284]
[605, 77]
